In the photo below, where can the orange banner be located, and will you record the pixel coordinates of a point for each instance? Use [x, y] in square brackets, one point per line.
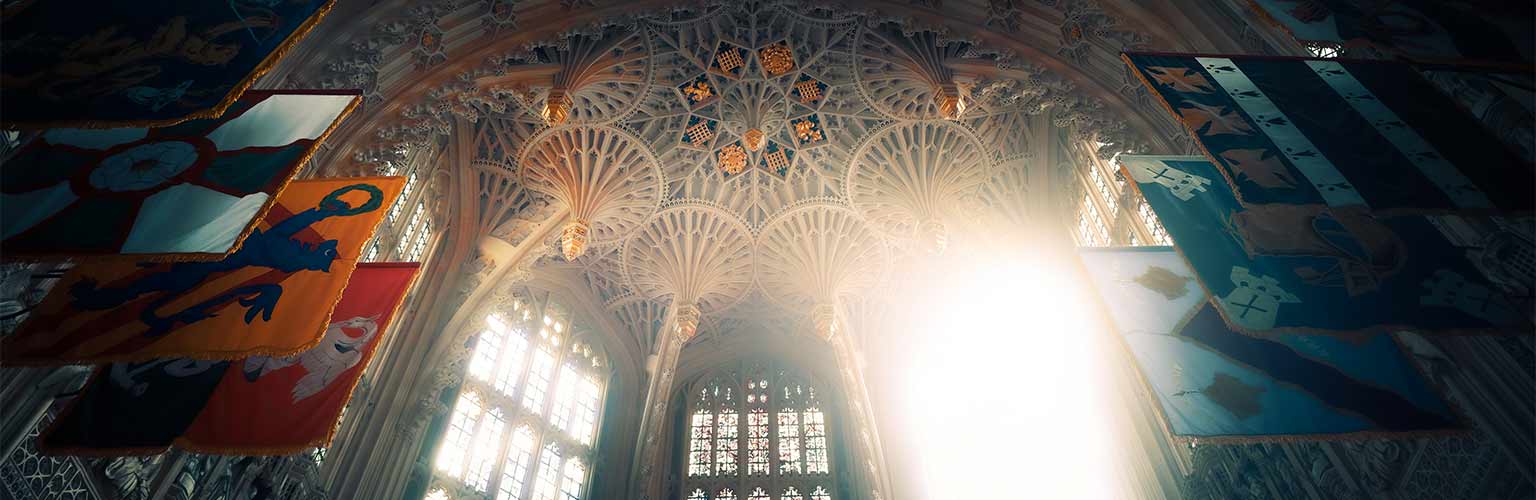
[280, 405]
[272, 297]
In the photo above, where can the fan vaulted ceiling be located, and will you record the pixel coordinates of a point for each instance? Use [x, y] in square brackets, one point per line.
[756, 158]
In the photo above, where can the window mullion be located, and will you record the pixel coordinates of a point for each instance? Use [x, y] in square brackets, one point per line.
[743, 419]
[529, 351]
[531, 476]
[773, 428]
[552, 393]
[499, 460]
[709, 444]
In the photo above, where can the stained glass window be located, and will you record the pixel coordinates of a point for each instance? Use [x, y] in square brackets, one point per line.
[575, 474]
[487, 348]
[549, 383]
[511, 366]
[410, 233]
[1154, 226]
[815, 441]
[461, 432]
[482, 459]
[757, 442]
[725, 443]
[418, 247]
[402, 246]
[789, 442]
[373, 252]
[405, 193]
[1102, 186]
[701, 440]
[1092, 229]
[771, 412]
[565, 399]
[538, 380]
[1323, 51]
[591, 402]
[548, 483]
[519, 460]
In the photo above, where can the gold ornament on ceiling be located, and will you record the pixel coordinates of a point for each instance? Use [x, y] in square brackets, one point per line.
[776, 161]
[809, 89]
[557, 107]
[776, 59]
[687, 322]
[733, 159]
[573, 239]
[807, 132]
[951, 103]
[728, 59]
[699, 134]
[699, 91]
[753, 139]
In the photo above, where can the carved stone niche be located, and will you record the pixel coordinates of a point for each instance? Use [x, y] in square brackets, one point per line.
[129, 477]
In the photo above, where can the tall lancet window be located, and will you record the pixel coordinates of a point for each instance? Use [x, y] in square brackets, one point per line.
[525, 422]
[757, 431]
[406, 232]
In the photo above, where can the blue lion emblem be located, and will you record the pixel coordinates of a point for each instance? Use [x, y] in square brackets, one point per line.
[274, 249]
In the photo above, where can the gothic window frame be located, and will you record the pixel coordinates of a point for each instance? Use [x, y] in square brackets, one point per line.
[735, 389]
[1110, 212]
[544, 448]
[406, 233]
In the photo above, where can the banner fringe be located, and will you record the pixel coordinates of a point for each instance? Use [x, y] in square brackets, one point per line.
[1238, 194]
[217, 355]
[182, 442]
[1350, 335]
[173, 257]
[1457, 412]
[234, 94]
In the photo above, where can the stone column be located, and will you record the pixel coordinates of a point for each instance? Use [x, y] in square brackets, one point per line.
[648, 460]
[869, 476]
[28, 394]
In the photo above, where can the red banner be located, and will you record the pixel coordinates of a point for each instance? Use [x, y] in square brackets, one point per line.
[279, 405]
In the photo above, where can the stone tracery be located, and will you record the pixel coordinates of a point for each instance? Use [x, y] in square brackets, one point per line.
[610, 181]
[643, 80]
[778, 129]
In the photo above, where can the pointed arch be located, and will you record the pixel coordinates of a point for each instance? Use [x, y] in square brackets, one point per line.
[530, 403]
[755, 426]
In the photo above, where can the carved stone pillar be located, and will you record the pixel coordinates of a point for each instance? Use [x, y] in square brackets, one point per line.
[684, 323]
[28, 393]
[869, 476]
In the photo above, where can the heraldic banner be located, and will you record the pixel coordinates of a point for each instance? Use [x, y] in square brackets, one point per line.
[1342, 133]
[1483, 30]
[1215, 384]
[140, 64]
[256, 406]
[1311, 268]
[280, 405]
[271, 297]
[188, 192]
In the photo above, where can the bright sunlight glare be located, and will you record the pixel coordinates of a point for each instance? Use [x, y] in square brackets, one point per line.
[1012, 366]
